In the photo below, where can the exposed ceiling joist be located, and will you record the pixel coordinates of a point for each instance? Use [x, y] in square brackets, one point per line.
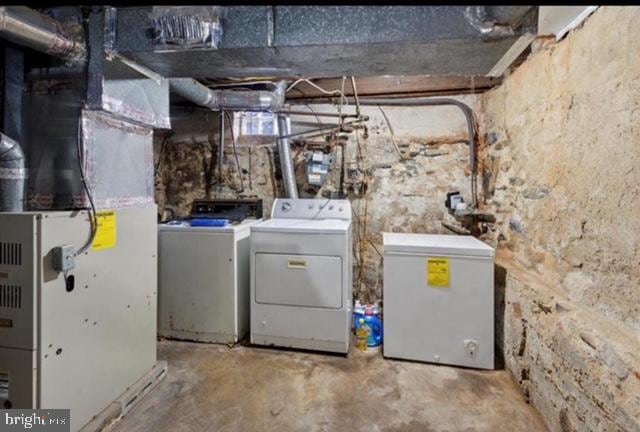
[389, 85]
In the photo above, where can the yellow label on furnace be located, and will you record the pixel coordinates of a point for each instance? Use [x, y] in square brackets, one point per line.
[438, 271]
[107, 231]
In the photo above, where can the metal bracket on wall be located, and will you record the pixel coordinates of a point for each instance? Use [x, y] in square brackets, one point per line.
[511, 55]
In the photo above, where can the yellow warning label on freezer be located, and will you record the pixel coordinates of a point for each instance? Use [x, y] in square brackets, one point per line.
[438, 271]
[107, 231]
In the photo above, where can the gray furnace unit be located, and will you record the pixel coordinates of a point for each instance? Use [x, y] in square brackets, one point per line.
[85, 337]
[438, 299]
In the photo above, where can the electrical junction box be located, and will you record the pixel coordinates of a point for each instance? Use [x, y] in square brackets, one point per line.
[438, 299]
[64, 258]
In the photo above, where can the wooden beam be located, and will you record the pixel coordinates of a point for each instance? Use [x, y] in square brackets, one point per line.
[402, 85]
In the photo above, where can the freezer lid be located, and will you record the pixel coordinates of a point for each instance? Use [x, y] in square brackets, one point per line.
[309, 226]
[436, 244]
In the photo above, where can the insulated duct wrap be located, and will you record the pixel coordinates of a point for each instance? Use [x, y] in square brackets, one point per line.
[13, 175]
[116, 154]
[113, 143]
[186, 27]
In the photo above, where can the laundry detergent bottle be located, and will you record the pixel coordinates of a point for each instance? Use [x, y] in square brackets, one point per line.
[362, 335]
[374, 322]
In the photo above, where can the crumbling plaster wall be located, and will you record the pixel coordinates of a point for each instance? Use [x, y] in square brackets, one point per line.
[563, 136]
[401, 196]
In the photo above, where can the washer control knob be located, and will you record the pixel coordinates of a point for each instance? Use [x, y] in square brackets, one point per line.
[340, 209]
[286, 206]
[310, 206]
[330, 207]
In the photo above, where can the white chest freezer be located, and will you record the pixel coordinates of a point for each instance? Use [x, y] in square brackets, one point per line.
[439, 299]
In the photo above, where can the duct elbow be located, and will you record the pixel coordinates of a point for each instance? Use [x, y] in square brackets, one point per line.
[12, 175]
[229, 100]
[11, 153]
[278, 96]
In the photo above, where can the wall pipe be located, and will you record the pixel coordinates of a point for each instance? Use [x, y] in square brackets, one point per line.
[30, 28]
[468, 115]
[286, 160]
[13, 175]
[221, 148]
[229, 100]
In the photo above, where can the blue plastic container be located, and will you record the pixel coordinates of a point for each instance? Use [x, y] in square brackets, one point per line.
[372, 319]
[204, 222]
[375, 324]
[358, 312]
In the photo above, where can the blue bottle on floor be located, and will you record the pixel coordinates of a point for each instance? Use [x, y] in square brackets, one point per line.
[373, 320]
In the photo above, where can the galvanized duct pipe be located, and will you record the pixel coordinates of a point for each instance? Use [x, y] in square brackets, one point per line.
[468, 115]
[286, 160]
[221, 147]
[13, 175]
[228, 100]
[30, 28]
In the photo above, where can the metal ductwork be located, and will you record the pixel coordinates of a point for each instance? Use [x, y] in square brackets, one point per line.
[30, 28]
[228, 100]
[286, 160]
[12, 175]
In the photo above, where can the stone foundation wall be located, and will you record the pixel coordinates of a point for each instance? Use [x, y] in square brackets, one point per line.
[401, 195]
[563, 141]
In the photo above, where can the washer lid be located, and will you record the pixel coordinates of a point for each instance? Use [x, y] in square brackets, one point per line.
[310, 226]
[436, 244]
[233, 228]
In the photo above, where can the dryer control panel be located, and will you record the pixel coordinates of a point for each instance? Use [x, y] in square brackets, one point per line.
[285, 208]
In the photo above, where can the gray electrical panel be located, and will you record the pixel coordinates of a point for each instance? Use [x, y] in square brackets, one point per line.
[77, 345]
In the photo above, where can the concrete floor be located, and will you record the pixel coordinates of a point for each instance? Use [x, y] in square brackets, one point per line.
[214, 388]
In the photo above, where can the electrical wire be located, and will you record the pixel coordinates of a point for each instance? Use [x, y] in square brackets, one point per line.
[471, 127]
[235, 151]
[393, 135]
[241, 84]
[250, 168]
[355, 95]
[156, 169]
[317, 87]
[93, 217]
[341, 106]
[314, 113]
[373, 245]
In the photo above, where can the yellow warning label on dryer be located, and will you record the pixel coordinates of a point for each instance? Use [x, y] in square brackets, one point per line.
[438, 271]
[107, 231]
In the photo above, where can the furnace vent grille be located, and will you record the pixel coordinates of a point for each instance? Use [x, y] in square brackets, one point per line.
[11, 253]
[11, 296]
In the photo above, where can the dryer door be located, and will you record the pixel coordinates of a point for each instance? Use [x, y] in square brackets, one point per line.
[298, 280]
